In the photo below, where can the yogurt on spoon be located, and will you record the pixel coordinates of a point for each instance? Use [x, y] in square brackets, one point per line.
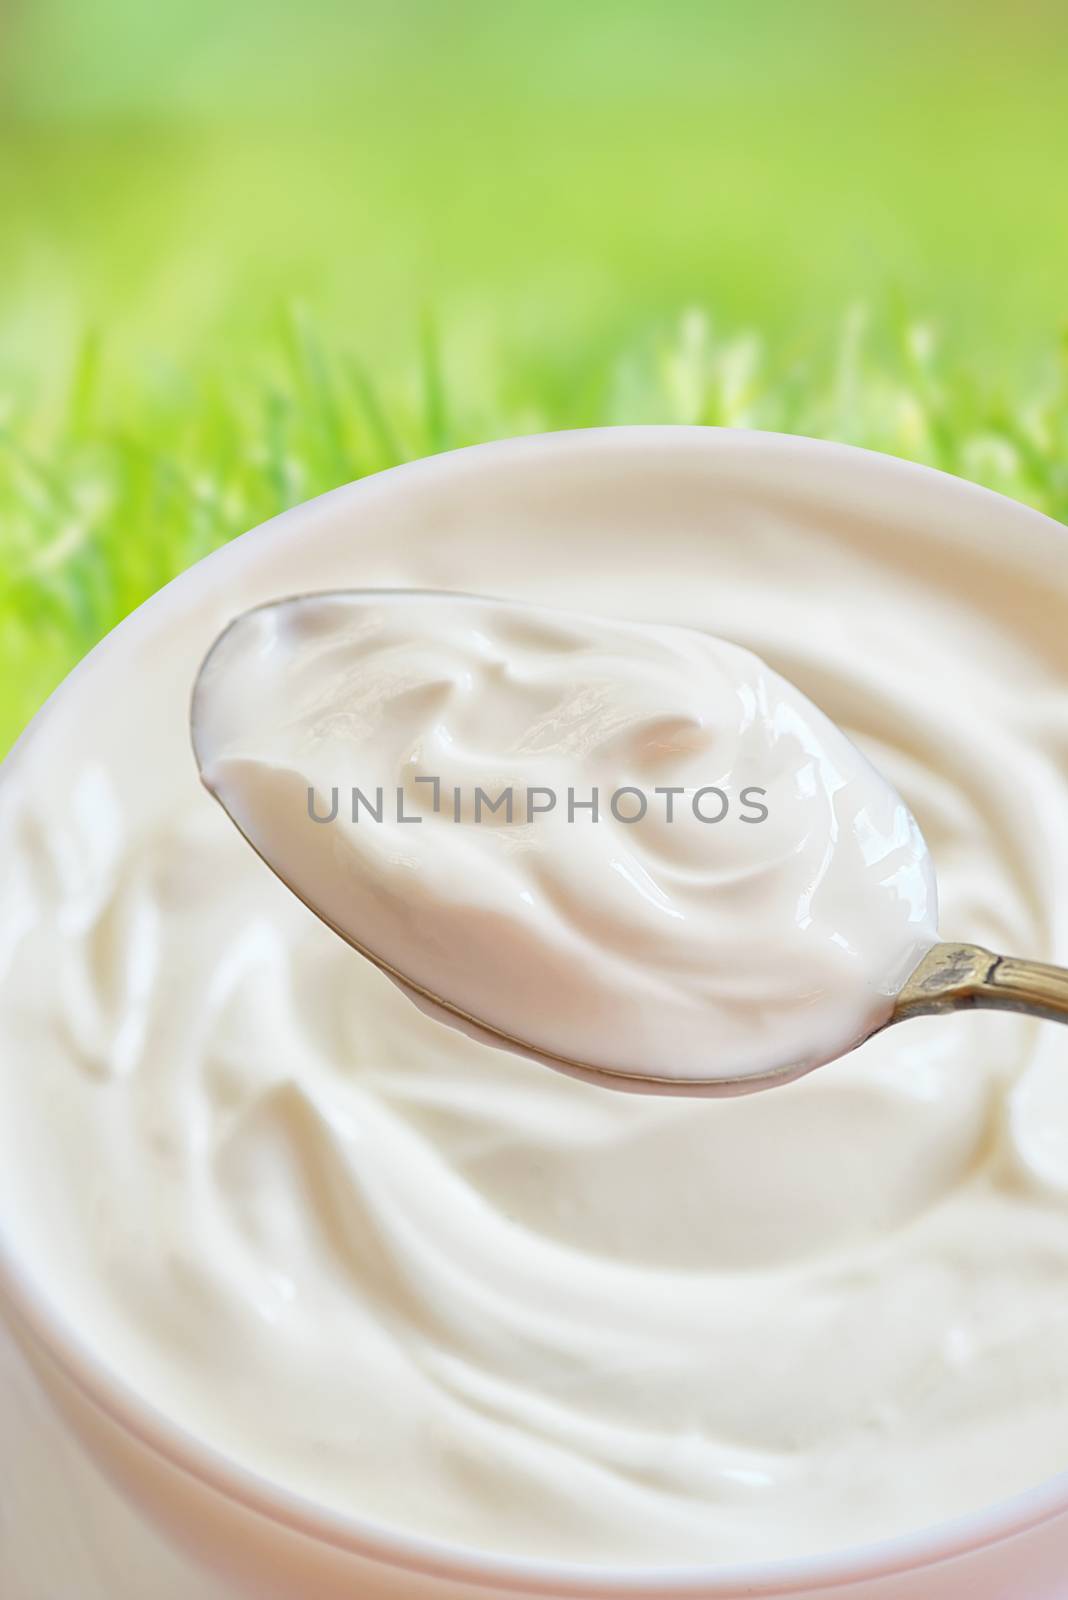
[631, 849]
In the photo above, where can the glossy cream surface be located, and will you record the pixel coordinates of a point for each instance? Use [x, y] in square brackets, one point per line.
[627, 845]
[432, 1285]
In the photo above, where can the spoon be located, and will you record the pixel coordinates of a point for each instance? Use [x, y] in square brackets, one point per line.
[947, 976]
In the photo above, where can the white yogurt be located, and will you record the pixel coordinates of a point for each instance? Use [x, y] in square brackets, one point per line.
[425, 1283]
[630, 846]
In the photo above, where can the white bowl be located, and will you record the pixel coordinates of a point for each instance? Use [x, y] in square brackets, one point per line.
[243, 1534]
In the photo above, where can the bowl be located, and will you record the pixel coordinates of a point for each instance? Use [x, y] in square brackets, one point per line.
[134, 1480]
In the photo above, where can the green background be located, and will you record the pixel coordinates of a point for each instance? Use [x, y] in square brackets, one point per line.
[250, 251]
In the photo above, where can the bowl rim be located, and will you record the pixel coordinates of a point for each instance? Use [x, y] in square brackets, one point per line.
[26, 1300]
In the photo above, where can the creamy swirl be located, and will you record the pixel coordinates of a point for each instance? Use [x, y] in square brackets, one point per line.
[630, 846]
[418, 1279]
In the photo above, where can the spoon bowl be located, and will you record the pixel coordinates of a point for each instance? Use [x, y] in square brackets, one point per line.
[946, 977]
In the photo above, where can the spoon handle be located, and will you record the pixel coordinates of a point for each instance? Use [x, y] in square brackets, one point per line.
[957, 977]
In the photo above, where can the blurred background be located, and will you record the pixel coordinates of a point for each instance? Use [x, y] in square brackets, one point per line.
[252, 250]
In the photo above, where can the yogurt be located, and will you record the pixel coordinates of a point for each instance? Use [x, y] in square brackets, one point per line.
[631, 846]
[416, 1281]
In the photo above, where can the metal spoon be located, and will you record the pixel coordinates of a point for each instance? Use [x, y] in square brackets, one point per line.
[950, 977]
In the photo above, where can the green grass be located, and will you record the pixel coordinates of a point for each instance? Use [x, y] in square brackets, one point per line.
[495, 219]
[102, 505]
